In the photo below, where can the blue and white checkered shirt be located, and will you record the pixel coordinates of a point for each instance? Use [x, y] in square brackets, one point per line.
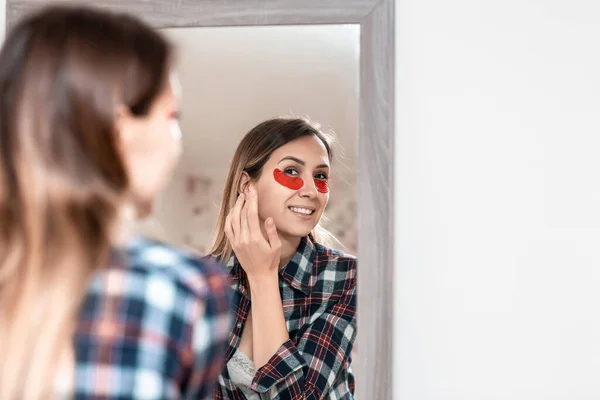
[154, 325]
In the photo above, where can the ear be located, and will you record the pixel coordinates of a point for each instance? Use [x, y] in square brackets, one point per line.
[244, 181]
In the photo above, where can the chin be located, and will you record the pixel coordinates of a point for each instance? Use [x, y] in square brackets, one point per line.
[295, 231]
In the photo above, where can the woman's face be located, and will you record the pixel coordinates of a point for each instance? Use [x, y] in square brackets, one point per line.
[151, 144]
[293, 186]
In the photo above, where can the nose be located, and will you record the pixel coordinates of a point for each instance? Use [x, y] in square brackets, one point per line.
[309, 190]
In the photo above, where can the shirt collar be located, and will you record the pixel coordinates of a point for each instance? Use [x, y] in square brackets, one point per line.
[297, 272]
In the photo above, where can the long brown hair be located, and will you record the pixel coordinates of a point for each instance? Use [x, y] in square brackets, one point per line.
[63, 73]
[250, 156]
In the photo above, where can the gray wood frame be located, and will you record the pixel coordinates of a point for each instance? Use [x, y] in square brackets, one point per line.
[376, 140]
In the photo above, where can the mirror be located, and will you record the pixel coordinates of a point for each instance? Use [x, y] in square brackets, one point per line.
[375, 199]
[234, 78]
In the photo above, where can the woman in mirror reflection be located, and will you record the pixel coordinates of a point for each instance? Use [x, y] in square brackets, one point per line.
[88, 131]
[294, 297]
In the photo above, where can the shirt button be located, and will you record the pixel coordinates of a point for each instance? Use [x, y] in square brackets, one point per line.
[239, 324]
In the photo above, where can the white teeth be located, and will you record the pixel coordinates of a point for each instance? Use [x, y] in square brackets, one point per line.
[301, 210]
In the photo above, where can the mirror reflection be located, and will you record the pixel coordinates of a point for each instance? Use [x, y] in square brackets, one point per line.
[266, 185]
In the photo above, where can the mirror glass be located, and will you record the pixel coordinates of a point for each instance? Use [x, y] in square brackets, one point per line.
[234, 78]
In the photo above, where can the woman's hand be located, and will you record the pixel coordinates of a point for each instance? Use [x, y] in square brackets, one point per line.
[258, 255]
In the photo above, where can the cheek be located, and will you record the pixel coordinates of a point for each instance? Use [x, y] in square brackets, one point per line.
[175, 129]
[322, 185]
[290, 182]
[165, 136]
[159, 153]
[323, 199]
[270, 201]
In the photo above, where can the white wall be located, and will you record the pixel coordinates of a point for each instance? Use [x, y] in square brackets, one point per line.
[498, 198]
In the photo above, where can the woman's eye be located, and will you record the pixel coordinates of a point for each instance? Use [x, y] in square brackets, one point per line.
[291, 171]
[321, 176]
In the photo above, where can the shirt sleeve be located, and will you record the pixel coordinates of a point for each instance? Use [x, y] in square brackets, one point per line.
[308, 369]
[148, 336]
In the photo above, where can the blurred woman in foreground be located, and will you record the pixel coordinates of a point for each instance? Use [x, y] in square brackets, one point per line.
[89, 136]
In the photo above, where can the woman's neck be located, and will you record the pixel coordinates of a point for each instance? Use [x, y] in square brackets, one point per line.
[289, 246]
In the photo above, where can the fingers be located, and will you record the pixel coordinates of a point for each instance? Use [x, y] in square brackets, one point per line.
[253, 220]
[235, 218]
[272, 235]
[229, 230]
[245, 234]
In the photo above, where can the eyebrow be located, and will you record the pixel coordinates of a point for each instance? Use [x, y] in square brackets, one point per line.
[299, 161]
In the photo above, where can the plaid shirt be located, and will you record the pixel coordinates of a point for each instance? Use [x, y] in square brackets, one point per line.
[154, 325]
[318, 289]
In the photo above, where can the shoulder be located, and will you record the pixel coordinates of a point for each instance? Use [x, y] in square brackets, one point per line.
[158, 309]
[327, 257]
[159, 275]
[335, 266]
[183, 268]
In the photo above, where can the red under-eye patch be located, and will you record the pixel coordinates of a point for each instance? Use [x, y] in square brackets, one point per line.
[290, 182]
[322, 185]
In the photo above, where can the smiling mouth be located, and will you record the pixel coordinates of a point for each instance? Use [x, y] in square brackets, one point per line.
[301, 210]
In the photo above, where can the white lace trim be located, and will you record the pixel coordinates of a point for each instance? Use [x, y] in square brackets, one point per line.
[241, 371]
